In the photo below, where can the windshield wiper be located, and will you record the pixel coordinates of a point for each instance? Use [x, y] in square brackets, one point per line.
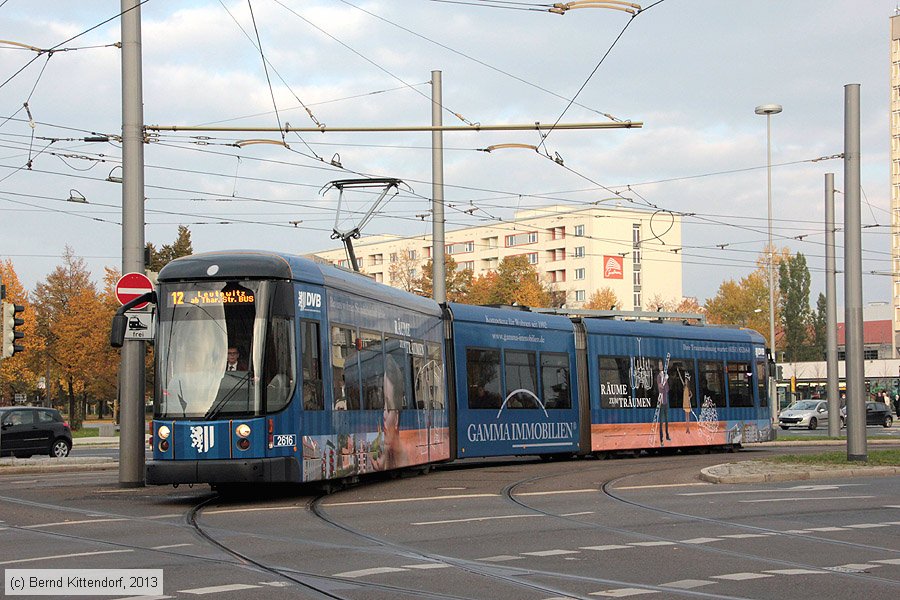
[219, 404]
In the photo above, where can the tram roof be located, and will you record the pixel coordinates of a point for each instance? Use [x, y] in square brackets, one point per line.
[265, 264]
[509, 316]
[673, 330]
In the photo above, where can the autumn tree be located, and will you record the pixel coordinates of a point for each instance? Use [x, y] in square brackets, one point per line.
[819, 329]
[457, 281]
[17, 373]
[518, 282]
[482, 289]
[743, 303]
[180, 247]
[68, 286]
[603, 299]
[404, 273]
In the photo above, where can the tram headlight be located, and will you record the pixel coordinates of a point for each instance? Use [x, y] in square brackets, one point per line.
[243, 430]
[164, 446]
[163, 432]
[243, 443]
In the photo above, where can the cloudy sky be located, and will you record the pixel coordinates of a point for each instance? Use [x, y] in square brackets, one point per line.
[691, 71]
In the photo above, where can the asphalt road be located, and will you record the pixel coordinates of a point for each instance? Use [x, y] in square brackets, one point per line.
[509, 530]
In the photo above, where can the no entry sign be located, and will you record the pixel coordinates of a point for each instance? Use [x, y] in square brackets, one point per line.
[132, 285]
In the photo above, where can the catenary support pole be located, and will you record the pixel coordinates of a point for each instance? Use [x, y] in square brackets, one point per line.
[853, 303]
[131, 369]
[439, 278]
[831, 360]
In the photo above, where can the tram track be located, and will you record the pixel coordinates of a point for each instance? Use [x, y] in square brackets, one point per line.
[606, 489]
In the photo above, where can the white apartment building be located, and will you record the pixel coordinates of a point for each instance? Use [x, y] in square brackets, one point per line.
[576, 250]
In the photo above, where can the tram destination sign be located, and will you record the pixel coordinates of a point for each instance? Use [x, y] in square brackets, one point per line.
[210, 297]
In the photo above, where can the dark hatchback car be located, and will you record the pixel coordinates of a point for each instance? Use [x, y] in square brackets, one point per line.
[877, 413]
[27, 430]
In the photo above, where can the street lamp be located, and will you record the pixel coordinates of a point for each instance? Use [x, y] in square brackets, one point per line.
[769, 110]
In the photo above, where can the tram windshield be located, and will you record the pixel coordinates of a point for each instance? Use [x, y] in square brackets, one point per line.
[224, 349]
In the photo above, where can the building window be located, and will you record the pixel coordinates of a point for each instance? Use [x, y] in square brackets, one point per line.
[636, 234]
[557, 254]
[412, 254]
[579, 295]
[637, 301]
[469, 264]
[376, 259]
[393, 257]
[579, 252]
[557, 276]
[579, 230]
[460, 247]
[870, 354]
[532, 258]
[490, 242]
[637, 278]
[579, 273]
[521, 238]
[557, 233]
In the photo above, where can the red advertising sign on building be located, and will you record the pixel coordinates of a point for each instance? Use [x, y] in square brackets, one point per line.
[612, 267]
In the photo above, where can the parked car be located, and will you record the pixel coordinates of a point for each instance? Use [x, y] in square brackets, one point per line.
[27, 430]
[804, 413]
[877, 413]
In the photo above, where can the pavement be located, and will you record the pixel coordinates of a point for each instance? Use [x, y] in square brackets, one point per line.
[746, 471]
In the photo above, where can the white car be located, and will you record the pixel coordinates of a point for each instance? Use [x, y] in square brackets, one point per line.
[804, 413]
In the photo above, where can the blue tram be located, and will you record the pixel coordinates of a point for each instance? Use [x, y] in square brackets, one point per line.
[276, 368]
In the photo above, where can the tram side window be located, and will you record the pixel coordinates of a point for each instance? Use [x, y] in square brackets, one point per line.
[712, 383]
[615, 382]
[521, 380]
[435, 369]
[555, 380]
[483, 378]
[345, 369]
[762, 381]
[739, 392]
[311, 364]
[371, 364]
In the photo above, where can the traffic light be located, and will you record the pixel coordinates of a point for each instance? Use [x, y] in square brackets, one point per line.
[8, 329]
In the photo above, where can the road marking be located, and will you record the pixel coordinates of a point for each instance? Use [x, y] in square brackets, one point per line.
[687, 584]
[578, 514]
[741, 536]
[795, 572]
[661, 485]
[550, 552]
[170, 546]
[244, 510]
[500, 558]
[796, 499]
[853, 567]
[426, 566]
[234, 587]
[742, 576]
[475, 519]
[422, 499]
[796, 488]
[893, 506]
[826, 529]
[889, 561]
[144, 598]
[82, 522]
[623, 592]
[602, 548]
[365, 572]
[557, 492]
[276, 584]
[38, 558]
[657, 543]
[700, 540]
[867, 525]
[171, 516]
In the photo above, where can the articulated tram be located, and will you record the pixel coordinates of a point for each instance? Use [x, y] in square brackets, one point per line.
[338, 376]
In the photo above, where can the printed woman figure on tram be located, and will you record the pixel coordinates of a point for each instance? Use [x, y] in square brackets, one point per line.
[687, 394]
[392, 454]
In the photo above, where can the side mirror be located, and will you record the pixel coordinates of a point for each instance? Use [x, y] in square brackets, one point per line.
[117, 334]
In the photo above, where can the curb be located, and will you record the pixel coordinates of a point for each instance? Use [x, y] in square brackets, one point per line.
[56, 465]
[800, 474]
